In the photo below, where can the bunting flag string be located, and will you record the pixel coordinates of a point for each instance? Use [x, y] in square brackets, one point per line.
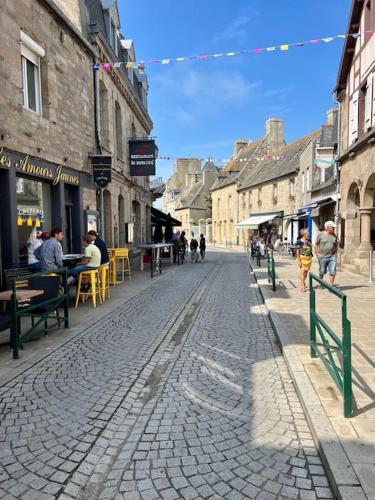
[226, 160]
[106, 66]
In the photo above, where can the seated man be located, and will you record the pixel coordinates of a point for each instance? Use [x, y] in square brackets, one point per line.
[90, 262]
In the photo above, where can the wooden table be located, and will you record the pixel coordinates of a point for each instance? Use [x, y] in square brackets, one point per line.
[20, 295]
[155, 254]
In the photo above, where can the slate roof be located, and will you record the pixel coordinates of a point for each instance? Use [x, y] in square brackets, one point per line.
[268, 170]
[190, 195]
[329, 135]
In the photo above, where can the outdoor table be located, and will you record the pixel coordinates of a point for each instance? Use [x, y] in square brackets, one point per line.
[71, 259]
[20, 295]
[155, 254]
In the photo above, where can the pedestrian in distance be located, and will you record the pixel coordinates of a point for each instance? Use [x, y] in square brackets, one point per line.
[326, 251]
[202, 247]
[194, 250]
[304, 255]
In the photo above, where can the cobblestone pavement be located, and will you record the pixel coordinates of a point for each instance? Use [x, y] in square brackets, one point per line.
[180, 393]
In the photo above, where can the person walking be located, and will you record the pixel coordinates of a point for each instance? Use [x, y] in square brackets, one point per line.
[202, 246]
[98, 242]
[304, 255]
[326, 251]
[50, 254]
[194, 250]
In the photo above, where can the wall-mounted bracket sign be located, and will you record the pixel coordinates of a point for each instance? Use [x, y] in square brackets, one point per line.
[143, 153]
[101, 170]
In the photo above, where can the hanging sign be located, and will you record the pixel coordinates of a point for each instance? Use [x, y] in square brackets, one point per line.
[324, 163]
[101, 170]
[142, 153]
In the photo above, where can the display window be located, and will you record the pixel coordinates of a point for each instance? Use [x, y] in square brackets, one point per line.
[33, 212]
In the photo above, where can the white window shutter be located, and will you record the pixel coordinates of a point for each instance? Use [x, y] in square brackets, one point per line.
[354, 117]
[368, 103]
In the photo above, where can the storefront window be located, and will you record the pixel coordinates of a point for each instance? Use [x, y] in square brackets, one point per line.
[34, 211]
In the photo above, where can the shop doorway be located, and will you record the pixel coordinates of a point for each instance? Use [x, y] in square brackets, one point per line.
[68, 230]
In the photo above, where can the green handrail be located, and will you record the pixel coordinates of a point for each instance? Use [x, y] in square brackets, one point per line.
[341, 375]
[271, 269]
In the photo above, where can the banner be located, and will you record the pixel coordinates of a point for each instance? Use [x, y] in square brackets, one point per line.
[142, 153]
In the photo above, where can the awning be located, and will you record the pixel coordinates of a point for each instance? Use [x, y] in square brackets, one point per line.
[159, 217]
[255, 220]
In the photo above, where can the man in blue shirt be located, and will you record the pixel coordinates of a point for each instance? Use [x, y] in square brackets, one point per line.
[50, 254]
[101, 245]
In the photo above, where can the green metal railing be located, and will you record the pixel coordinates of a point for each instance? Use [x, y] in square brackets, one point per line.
[342, 375]
[41, 311]
[271, 269]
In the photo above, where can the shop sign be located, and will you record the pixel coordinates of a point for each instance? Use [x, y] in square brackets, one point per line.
[29, 165]
[101, 170]
[142, 154]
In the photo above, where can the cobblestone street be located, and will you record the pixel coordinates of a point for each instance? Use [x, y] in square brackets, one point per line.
[182, 392]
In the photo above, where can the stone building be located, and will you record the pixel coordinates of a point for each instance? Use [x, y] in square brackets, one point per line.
[356, 95]
[47, 127]
[122, 115]
[228, 207]
[317, 188]
[268, 192]
[193, 207]
[178, 182]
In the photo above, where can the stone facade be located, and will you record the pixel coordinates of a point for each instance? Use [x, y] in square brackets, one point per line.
[356, 95]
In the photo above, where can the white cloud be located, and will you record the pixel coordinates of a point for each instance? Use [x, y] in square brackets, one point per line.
[184, 116]
[280, 93]
[236, 31]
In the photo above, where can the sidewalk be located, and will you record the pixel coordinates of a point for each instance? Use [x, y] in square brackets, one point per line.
[80, 319]
[347, 445]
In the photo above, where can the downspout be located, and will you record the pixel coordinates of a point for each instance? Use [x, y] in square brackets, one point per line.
[337, 163]
[98, 140]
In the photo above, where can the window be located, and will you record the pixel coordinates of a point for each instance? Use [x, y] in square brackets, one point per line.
[118, 120]
[104, 120]
[368, 103]
[31, 53]
[308, 179]
[322, 175]
[274, 190]
[292, 187]
[229, 202]
[113, 37]
[250, 198]
[353, 118]
[303, 182]
[259, 195]
[243, 202]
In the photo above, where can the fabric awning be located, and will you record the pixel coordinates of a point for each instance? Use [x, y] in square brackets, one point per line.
[255, 220]
[159, 217]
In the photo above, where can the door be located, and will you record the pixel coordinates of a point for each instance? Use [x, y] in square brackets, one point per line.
[68, 233]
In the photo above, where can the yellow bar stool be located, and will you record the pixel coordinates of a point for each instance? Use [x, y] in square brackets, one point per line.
[112, 270]
[94, 289]
[122, 262]
[104, 276]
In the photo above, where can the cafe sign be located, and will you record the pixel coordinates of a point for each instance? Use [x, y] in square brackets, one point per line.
[29, 165]
[143, 154]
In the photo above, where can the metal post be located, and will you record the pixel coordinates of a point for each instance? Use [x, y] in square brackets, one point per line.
[102, 214]
[347, 361]
[312, 319]
[370, 271]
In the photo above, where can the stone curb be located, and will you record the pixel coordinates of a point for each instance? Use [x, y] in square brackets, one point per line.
[343, 480]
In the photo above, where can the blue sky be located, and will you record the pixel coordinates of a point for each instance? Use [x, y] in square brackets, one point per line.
[200, 107]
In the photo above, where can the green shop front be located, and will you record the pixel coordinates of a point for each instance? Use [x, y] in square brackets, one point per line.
[36, 195]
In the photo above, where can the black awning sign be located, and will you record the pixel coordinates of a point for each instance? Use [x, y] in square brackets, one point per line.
[102, 170]
[142, 154]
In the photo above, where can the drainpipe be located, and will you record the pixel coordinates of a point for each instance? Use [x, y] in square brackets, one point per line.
[337, 163]
[98, 140]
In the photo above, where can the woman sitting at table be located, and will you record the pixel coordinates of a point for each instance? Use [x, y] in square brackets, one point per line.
[90, 262]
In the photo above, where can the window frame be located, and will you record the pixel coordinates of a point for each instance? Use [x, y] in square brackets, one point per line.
[27, 55]
[292, 187]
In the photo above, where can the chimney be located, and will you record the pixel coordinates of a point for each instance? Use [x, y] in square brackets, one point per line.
[238, 145]
[331, 116]
[274, 134]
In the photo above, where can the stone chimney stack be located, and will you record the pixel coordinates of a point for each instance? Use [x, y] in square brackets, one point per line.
[331, 116]
[274, 134]
[238, 145]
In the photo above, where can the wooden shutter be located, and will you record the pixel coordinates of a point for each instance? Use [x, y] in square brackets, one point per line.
[353, 125]
[368, 103]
